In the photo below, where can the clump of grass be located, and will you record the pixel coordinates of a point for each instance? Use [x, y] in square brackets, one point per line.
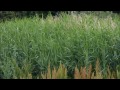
[60, 73]
[84, 73]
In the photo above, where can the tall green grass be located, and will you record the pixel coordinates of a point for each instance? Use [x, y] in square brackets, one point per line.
[74, 39]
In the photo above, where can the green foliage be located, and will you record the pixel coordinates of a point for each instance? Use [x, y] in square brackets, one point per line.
[73, 39]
